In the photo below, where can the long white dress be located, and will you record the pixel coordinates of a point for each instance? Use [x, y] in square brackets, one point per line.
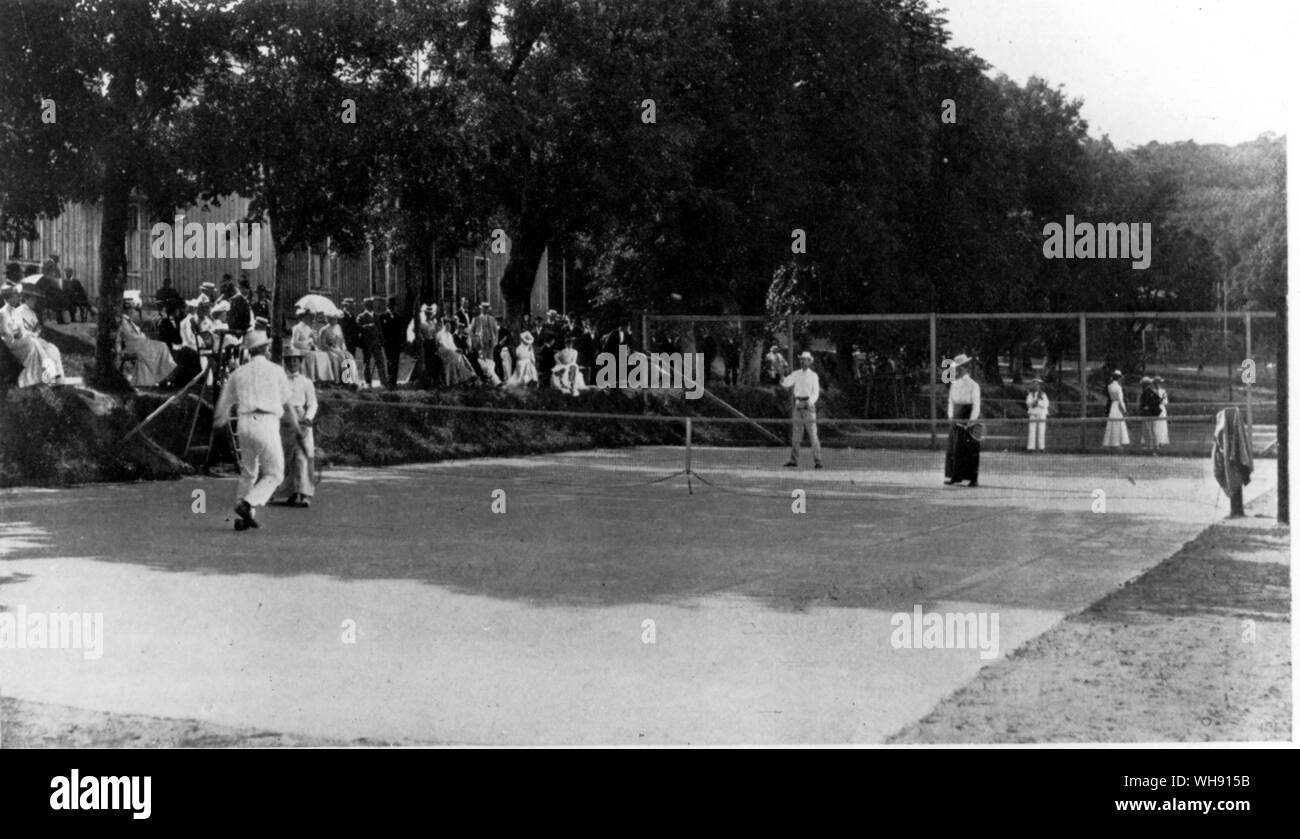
[153, 360]
[1162, 425]
[1116, 430]
[343, 367]
[315, 363]
[42, 362]
[525, 371]
[566, 376]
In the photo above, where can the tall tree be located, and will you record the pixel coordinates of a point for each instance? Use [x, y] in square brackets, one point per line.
[90, 91]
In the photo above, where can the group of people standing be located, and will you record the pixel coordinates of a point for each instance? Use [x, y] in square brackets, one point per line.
[1153, 405]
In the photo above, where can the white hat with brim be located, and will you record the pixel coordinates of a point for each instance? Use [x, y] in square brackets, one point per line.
[526, 337]
[255, 339]
[805, 354]
[961, 359]
[291, 352]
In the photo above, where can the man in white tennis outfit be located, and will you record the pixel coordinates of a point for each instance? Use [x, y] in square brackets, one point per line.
[807, 389]
[259, 391]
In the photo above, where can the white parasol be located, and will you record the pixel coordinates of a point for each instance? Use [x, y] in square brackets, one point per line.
[315, 303]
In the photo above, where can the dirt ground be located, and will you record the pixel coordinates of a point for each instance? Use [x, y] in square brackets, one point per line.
[1206, 634]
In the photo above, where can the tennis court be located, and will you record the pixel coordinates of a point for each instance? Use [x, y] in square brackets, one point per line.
[530, 626]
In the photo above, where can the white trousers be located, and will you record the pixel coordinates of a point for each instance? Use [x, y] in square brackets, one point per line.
[1037, 432]
[261, 458]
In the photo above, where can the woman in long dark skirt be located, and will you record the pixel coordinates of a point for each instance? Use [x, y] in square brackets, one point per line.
[963, 460]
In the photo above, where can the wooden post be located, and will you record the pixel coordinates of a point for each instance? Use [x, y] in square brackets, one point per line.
[688, 445]
[645, 331]
[934, 381]
[1083, 381]
[1250, 407]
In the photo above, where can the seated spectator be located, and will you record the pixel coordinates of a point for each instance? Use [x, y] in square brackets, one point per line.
[456, 369]
[153, 361]
[566, 375]
[20, 329]
[343, 367]
[525, 372]
[315, 362]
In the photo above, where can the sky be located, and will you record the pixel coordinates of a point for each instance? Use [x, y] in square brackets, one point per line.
[1164, 70]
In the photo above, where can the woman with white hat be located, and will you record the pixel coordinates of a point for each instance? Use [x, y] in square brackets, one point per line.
[315, 363]
[35, 367]
[962, 462]
[1116, 435]
[333, 342]
[297, 488]
[566, 375]
[525, 371]
[41, 361]
[153, 359]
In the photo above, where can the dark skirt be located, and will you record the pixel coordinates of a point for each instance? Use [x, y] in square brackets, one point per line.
[963, 460]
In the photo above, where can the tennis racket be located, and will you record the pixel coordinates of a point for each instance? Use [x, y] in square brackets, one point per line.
[325, 427]
[977, 431]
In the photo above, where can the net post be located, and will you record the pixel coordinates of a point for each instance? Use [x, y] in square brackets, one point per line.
[688, 445]
[1250, 406]
[934, 382]
[1083, 381]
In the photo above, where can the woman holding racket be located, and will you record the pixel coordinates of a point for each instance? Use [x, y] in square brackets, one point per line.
[963, 460]
[299, 451]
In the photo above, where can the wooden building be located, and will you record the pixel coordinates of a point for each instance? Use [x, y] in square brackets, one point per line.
[74, 235]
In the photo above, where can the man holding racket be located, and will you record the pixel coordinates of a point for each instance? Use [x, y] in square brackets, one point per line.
[259, 392]
[299, 449]
[963, 460]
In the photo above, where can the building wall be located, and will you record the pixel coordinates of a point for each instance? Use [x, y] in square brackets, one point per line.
[74, 236]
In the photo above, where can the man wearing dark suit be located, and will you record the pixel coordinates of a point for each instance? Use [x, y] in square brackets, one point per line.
[240, 318]
[618, 338]
[392, 329]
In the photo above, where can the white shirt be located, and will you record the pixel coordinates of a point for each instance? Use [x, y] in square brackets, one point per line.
[302, 395]
[258, 386]
[1036, 403]
[964, 391]
[806, 385]
[1116, 393]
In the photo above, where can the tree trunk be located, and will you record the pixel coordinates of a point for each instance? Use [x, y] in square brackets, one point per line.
[112, 273]
[517, 282]
[277, 304]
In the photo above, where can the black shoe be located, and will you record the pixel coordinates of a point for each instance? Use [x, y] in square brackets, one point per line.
[792, 465]
[949, 482]
[817, 465]
[245, 512]
[974, 483]
[240, 525]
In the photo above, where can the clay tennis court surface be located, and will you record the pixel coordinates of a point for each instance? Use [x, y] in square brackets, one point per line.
[533, 625]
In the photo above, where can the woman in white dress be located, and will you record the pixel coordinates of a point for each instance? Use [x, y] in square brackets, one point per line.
[41, 361]
[330, 339]
[315, 364]
[566, 376]
[525, 371]
[1116, 431]
[153, 359]
[1162, 424]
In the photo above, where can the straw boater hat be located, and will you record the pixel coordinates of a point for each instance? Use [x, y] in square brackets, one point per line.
[207, 287]
[961, 360]
[526, 337]
[429, 309]
[805, 354]
[254, 339]
[347, 301]
[1145, 380]
[1158, 378]
[485, 305]
[291, 352]
[1116, 375]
